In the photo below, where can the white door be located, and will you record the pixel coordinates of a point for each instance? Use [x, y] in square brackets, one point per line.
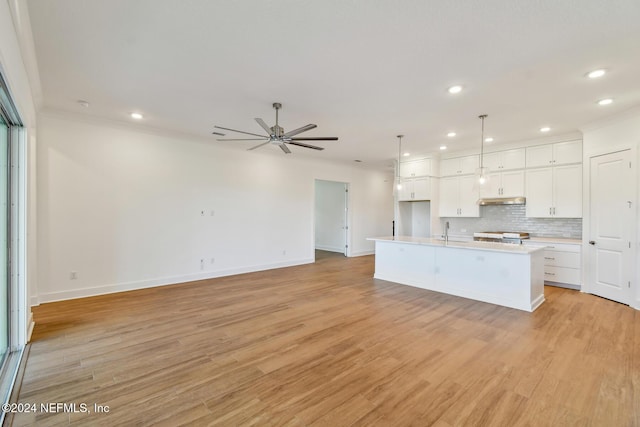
[612, 204]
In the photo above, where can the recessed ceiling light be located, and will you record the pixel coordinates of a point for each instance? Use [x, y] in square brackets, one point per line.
[596, 73]
[443, 147]
[451, 134]
[83, 103]
[545, 129]
[136, 116]
[358, 161]
[488, 139]
[406, 154]
[455, 89]
[605, 101]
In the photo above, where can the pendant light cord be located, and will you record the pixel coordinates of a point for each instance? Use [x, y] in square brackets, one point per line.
[399, 154]
[482, 117]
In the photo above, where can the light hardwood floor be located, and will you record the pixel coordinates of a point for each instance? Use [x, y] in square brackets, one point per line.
[324, 344]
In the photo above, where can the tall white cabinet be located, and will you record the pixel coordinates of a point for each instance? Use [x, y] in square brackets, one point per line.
[556, 191]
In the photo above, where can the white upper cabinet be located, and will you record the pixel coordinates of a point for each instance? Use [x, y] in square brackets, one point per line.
[459, 165]
[505, 160]
[554, 154]
[504, 184]
[554, 192]
[413, 168]
[413, 189]
[458, 197]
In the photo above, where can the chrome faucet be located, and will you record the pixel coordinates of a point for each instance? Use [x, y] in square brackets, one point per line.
[446, 231]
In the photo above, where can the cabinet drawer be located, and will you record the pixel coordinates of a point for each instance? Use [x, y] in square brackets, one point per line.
[561, 274]
[563, 247]
[562, 259]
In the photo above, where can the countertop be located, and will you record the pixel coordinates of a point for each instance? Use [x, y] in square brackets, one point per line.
[485, 246]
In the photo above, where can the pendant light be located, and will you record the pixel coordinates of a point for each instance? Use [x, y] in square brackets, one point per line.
[398, 183]
[482, 172]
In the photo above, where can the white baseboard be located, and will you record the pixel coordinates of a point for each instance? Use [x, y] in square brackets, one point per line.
[330, 248]
[161, 281]
[361, 253]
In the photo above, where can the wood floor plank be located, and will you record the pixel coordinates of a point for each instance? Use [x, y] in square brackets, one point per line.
[325, 344]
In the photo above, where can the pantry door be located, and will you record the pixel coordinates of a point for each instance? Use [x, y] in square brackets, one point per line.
[612, 230]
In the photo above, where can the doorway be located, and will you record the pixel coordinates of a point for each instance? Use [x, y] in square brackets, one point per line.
[332, 216]
[610, 252]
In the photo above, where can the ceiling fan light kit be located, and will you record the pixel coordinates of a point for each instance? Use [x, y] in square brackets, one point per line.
[277, 136]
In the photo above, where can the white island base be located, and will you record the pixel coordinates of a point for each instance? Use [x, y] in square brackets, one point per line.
[504, 274]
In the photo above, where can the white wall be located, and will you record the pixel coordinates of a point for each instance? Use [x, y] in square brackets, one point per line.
[330, 215]
[123, 207]
[607, 136]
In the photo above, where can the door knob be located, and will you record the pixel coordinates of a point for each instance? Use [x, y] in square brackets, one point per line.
[592, 242]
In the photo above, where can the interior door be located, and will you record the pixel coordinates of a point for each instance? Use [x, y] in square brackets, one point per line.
[612, 230]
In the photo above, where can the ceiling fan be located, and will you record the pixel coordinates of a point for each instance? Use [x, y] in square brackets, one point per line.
[277, 136]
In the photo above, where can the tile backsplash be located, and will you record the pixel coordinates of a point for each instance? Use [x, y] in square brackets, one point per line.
[513, 218]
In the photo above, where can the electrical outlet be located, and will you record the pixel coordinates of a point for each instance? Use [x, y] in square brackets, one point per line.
[213, 260]
[201, 213]
[463, 230]
[284, 252]
[202, 264]
[213, 212]
[73, 275]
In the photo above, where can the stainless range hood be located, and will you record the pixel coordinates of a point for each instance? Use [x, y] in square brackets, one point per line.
[503, 201]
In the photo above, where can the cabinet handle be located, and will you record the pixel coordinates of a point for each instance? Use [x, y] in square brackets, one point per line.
[549, 211]
[549, 274]
[548, 257]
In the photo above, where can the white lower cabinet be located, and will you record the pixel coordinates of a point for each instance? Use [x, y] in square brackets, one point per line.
[415, 189]
[562, 264]
[459, 197]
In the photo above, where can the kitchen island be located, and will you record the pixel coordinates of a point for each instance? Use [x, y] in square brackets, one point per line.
[506, 274]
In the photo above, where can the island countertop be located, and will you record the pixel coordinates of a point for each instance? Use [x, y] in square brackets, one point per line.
[485, 246]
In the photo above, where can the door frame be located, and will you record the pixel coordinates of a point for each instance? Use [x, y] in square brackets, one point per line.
[347, 216]
[587, 280]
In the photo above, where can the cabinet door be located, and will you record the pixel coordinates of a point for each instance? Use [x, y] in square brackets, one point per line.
[567, 191]
[513, 159]
[406, 190]
[469, 164]
[491, 189]
[539, 185]
[422, 188]
[512, 184]
[469, 195]
[422, 167]
[450, 167]
[415, 168]
[449, 197]
[493, 161]
[539, 155]
[567, 152]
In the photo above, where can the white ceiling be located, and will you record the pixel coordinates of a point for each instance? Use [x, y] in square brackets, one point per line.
[362, 70]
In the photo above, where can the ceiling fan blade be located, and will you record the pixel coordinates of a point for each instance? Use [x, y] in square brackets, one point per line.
[258, 146]
[300, 130]
[317, 138]
[263, 125]
[300, 144]
[285, 149]
[241, 131]
[241, 139]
